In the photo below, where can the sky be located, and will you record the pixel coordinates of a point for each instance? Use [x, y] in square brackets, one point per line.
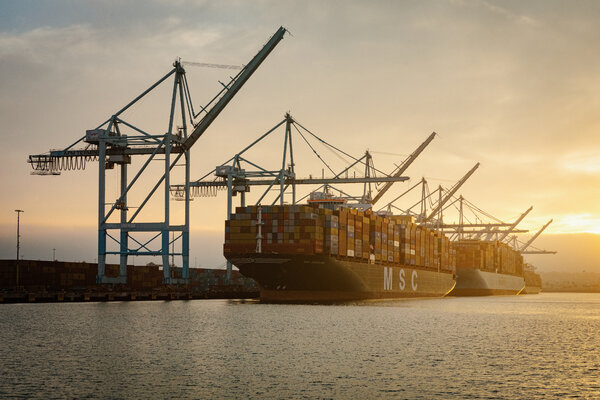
[513, 85]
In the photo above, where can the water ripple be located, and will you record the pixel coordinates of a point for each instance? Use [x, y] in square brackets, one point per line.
[543, 346]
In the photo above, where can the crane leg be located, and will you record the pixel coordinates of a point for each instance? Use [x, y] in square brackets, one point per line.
[101, 209]
[124, 234]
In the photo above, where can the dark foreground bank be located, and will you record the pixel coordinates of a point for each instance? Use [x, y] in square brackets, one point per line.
[57, 281]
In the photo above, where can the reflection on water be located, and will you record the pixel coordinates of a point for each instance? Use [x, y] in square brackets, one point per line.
[487, 347]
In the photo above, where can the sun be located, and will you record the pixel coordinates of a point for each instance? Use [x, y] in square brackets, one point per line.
[576, 223]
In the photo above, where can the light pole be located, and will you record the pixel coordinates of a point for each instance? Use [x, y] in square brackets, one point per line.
[53, 254]
[18, 242]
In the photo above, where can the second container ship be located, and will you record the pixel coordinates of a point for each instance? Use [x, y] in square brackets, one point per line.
[487, 268]
[302, 253]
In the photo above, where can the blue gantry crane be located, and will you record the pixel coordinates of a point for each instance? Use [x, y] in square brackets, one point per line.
[111, 144]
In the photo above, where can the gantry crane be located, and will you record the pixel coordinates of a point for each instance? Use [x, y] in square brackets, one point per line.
[475, 229]
[238, 174]
[472, 229]
[422, 217]
[403, 167]
[110, 146]
[524, 248]
[478, 228]
[367, 200]
[501, 235]
[443, 200]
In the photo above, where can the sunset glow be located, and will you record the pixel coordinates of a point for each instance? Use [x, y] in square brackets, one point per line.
[510, 85]
[576, 223]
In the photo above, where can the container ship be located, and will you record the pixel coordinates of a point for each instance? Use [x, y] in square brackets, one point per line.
[533, 280]
[335, 253]
[486, 268]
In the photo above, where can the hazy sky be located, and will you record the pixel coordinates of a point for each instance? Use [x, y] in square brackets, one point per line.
[512, 84]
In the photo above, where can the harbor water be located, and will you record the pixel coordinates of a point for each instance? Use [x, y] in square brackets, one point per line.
[536, 346]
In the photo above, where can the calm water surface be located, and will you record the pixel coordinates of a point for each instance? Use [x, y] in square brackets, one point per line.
[537, 346]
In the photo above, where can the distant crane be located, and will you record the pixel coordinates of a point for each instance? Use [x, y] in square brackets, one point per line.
[524, 248]
[476, 229]
[450, 193]
[367, 200]
[109, 146]
[403, 167]
[502, 235]
[422, 217]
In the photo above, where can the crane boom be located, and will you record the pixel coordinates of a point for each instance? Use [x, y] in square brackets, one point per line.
[404, 166]
[510, 229]
[451, 193]
[538, 252]
[475, 225]
[514, 225]
[244, 75]
[526, 245]
[290, 181]
[492, 231]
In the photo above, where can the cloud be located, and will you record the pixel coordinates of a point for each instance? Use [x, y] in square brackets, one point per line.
[78, 46]
[37, 44]
[583, 162]
[505, 12]
[584, 222]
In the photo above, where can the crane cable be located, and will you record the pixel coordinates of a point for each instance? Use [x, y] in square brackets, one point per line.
[210, 65]
[335, 148]
[314, 151]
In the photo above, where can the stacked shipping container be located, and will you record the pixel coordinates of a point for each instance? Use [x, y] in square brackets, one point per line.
[344, 232]
[492, 256]
[296, 230]
[532, 279]
[44, 276]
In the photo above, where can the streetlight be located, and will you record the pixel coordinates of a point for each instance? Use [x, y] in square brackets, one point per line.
[18, 242]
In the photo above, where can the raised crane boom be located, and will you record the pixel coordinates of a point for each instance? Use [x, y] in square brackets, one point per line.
[451, 193]
[526, 245]
[244, 75]
[510, 229]
[403, 167]
[514, 225]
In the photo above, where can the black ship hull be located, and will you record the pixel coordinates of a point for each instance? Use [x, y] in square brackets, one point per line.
[475, 282]
[320, 278]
